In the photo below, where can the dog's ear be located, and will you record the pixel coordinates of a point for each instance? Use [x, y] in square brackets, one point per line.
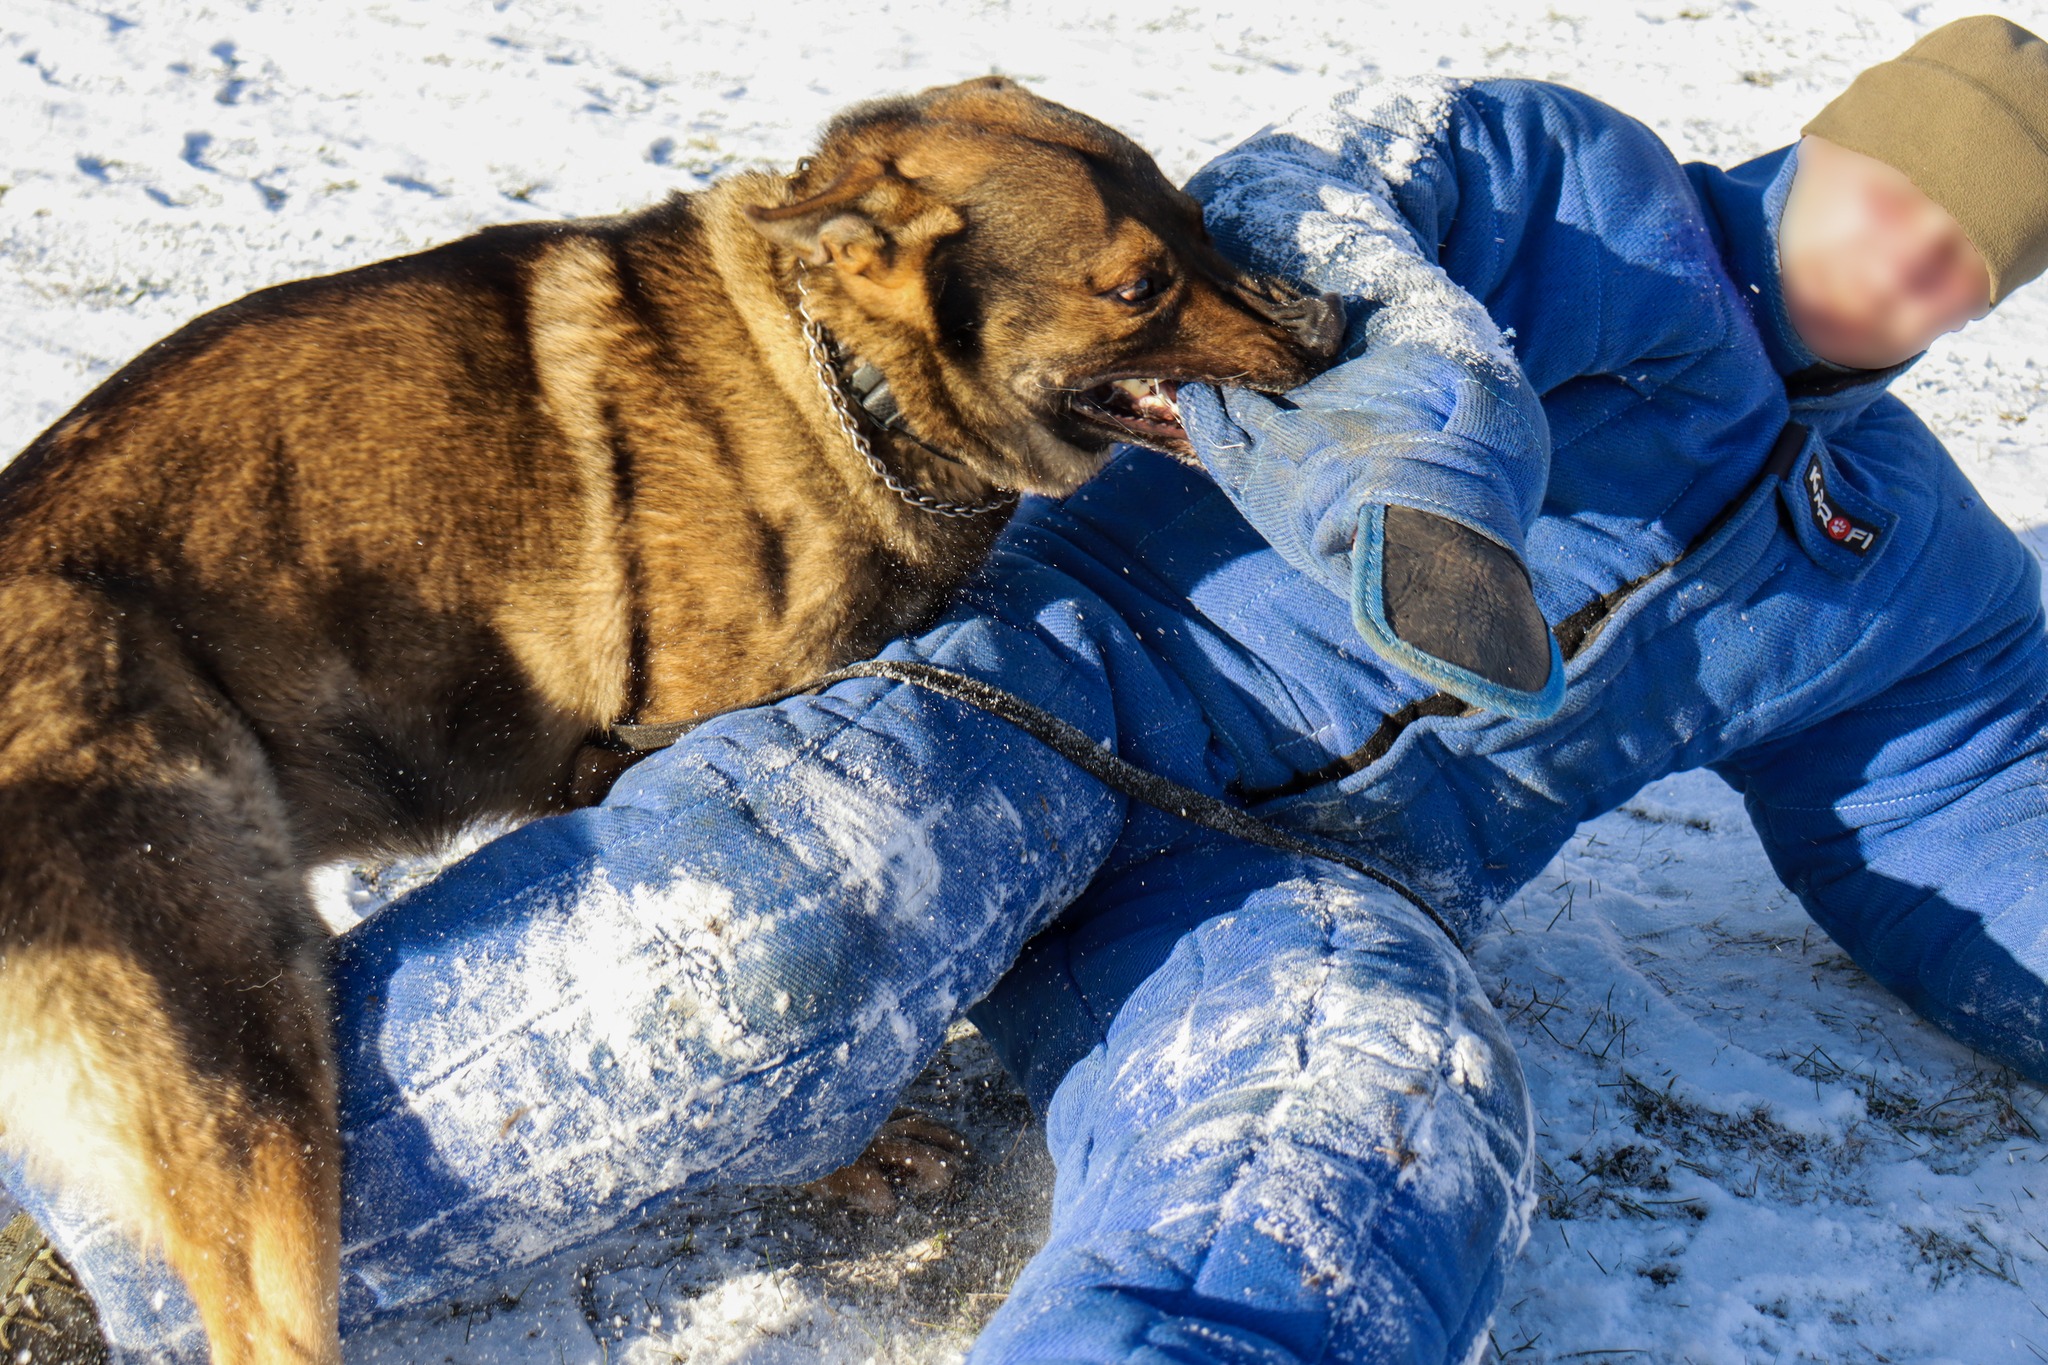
[830, 226]
[872, 225]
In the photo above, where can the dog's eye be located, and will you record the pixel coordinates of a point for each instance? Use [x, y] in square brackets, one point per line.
[1138, 290]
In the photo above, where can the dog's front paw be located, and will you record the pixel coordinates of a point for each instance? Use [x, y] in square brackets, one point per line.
[912, 1153]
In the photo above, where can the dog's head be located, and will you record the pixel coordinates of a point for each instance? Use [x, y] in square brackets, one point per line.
[1029, 282]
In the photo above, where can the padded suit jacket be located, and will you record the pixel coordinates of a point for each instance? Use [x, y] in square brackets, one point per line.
[1756, 563]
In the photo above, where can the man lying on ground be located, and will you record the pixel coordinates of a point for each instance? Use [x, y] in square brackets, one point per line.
[1287, 1123]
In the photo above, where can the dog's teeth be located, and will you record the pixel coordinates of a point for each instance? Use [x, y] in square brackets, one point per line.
[1155, 400]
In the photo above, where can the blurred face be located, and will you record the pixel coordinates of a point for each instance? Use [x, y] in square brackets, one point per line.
[1873, 269]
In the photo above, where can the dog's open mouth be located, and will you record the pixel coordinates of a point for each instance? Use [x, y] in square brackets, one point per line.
[1143, 410]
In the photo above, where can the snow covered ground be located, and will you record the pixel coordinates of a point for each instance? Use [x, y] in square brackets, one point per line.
[1751, 1153]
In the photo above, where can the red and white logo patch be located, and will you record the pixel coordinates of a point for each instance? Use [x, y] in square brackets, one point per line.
[1834, 523]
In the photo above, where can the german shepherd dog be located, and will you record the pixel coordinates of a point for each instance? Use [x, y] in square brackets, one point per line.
[355, 561]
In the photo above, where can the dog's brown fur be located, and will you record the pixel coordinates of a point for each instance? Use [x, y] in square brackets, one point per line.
[357, 560]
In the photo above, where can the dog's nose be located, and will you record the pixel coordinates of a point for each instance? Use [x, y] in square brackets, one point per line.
[1316, 324]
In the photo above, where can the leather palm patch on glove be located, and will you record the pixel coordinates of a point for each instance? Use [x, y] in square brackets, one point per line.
[1451, 592]
[1456, 609]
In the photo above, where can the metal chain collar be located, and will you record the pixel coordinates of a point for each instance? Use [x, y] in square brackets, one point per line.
[849, 425]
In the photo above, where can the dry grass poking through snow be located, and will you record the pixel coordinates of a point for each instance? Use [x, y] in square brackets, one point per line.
[1749, 1151]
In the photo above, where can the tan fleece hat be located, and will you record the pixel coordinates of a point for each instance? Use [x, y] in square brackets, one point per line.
[1964, 114]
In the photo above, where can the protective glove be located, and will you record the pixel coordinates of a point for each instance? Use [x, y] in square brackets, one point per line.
[1405, 519]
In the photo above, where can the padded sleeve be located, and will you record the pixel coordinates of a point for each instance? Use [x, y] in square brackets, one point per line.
[1914, 827]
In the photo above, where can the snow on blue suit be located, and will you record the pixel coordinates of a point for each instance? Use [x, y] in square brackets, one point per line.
[1287, 1124]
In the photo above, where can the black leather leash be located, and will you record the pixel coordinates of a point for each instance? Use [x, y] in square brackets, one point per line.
[1071, 743]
